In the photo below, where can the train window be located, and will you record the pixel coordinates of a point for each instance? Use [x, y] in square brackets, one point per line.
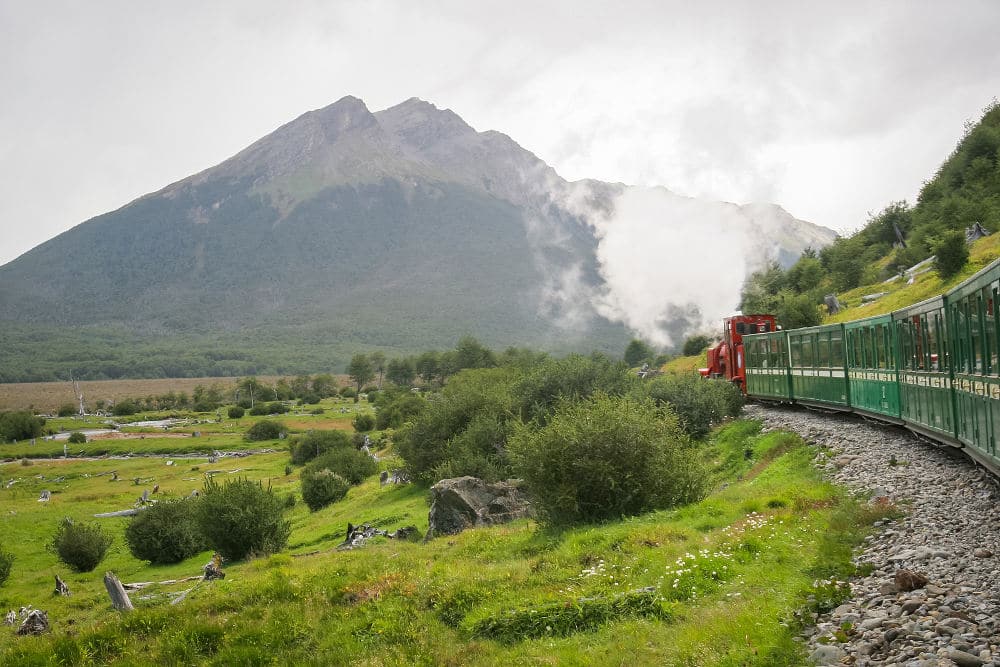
[795, 345]
[935, 356]
[989, 328]
[809, 350]
[836, 348]
[879, 347]
[915, 343]
[975, 334]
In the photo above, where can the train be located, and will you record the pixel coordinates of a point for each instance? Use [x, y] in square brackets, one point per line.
[932, 367]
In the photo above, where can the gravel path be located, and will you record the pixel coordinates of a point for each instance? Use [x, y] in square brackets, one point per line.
[950, 535]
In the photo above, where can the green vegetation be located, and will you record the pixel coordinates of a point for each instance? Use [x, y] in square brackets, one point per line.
[606, 458]
[720, 581]
[315, 443]
[76, 438]
[80, 545]
[6, 565]
[322, 486]
[20, 425]
[266, 429]
[698, 404]
[166, 532]
[240, 517]
[637, 352]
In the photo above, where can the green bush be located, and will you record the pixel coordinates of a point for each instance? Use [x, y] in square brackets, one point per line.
[316, 443]
[695, 344]
[604, 458]
[76, 438]
[240, 518]
[399, 411]
[363, 422]
[80, 545]
[125, 408]
[348, 392]
[698, 403]
[260, 409]
[20, 425]
[6, 564]
[67, 410]
[348, 462]
[166, 532]
[235, 412]
[952, 253]
[265, 429]
[322, 487]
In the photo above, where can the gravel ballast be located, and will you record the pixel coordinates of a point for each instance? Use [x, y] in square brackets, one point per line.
[946, 548]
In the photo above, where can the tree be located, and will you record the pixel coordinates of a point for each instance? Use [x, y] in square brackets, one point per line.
[324, 385]
[695, 344]
[80, 545]
[205, 399]
[952, 253]
[636, 352]
[469, 353]
[360, 370]
[427, 365]
[798, 310]
[378, 365]
[402, 371]
[166, 532]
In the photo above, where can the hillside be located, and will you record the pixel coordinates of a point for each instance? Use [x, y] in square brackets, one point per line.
[344, 229]
[964, 191]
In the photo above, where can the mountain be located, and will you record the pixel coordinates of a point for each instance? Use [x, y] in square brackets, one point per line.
[345, 230]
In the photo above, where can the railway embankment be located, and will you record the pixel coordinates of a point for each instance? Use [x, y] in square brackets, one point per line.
[948, 534]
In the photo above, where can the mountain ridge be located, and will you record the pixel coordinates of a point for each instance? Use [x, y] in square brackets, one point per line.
[406, 219]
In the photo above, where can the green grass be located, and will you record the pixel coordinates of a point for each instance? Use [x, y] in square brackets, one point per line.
[715, 583]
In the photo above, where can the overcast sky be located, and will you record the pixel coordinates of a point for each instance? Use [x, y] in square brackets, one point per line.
[830, 109]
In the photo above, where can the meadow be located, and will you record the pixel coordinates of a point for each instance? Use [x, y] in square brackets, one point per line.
[725, 581]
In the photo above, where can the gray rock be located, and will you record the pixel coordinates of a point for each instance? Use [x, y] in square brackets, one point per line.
[467, 502]
[826, 655]
[963, 659]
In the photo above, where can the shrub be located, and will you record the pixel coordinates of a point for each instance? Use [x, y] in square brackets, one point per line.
[260, 409]
[235, 412]
[20, 425]
[351, 464]
[363, 422]
[66, 410]
[952, 253]
[316, 411]
[322, 487]
[167, 532]
[6, 564]
[240, 518]
[399, 411]
[76, 438]
[695, 344]
[316, 443]
[310, 399]
[348, 392]
[125, 408]
[80, 545]
[604, 458]
[699, 403]
[265, 429]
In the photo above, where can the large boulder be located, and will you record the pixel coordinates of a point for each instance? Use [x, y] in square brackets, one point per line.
[467, 502]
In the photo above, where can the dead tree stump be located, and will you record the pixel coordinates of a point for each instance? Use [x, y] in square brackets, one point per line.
[61, 587]
[119, 598]
[36, 623]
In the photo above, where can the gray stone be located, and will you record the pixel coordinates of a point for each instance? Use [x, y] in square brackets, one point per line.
[467, 502]
[963, 659]
[827, 655]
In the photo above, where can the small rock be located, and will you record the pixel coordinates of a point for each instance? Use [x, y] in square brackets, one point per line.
[982, 553]
[907, 580]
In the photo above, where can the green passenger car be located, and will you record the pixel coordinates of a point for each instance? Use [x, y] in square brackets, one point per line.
[872, 368]
[818, 374]
[972, 311]
[925, 397]
[766, 369]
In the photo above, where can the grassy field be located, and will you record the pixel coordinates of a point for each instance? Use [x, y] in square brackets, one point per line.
[719, 582]
[49, 396]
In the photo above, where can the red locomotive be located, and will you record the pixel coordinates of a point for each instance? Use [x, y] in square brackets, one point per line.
[725, 360]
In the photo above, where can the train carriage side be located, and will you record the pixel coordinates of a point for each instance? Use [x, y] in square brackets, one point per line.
[926, 401]
[972, 312]
[767, 372]
[818, 373]
[872, 368]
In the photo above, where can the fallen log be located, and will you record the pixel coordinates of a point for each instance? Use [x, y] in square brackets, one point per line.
[130, 512]
[61, 587]
[139, 585]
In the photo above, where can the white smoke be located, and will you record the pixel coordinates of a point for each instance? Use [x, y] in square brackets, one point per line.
[661, 253]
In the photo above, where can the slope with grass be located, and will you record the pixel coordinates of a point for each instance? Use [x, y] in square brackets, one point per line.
[717, 582]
